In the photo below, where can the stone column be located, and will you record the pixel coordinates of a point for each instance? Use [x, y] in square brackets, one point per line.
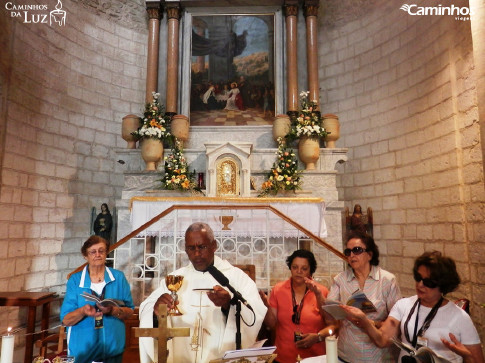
[478, 36]
[173, 16]
[154, 15]
[291, 12]
[311, 12]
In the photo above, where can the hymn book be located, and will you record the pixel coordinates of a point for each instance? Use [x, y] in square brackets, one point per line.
[358, 300]
[422, 354]
[102, 302]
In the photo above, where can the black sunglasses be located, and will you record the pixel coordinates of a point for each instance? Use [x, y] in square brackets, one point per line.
[355, 251]
[295, 318]
[426, 282]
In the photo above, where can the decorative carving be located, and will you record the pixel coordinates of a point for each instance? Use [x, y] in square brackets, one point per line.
[173, 12]
[154, 11]
[310, 10]
[290, 10]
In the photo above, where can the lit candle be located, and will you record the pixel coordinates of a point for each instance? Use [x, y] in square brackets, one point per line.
[331, 348]
[7, 347]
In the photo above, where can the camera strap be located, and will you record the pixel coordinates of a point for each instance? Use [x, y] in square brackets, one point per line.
[426, 322]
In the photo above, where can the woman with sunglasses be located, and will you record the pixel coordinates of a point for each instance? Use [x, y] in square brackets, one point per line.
[380, 287]
[428, 318]
[293, 311]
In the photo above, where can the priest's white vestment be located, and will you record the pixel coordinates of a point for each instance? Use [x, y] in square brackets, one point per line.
[216, 334]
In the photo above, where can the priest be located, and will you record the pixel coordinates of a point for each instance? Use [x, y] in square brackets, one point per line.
[207, 308]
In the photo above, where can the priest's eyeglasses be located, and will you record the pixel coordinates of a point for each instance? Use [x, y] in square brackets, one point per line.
[356, 251]
[200, 248]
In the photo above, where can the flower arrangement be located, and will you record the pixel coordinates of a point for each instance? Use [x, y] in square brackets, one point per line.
[308, 122]
[177, 175]
[154, 122]
[284, 175]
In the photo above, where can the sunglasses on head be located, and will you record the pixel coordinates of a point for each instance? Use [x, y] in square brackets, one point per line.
[426, 282]
[355, 251]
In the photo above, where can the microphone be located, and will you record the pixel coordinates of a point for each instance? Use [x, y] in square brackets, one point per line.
[224, 281]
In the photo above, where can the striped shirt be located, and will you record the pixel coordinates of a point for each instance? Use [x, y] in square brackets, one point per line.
[381, 288]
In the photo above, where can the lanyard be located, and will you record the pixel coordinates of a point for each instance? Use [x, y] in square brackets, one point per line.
[297, 308]
[426, 322]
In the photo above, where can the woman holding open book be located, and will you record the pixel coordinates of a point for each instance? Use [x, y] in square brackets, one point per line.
[427, 319]
[294, 313]
[379, 286]
[95, 330]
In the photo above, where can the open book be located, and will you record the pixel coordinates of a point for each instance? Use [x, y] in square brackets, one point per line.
[105, 302]
[358, 300]
[422, 354]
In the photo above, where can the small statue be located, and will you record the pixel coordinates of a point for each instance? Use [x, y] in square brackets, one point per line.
[358, 221]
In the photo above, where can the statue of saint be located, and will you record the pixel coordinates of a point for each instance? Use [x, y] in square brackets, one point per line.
[359, 221]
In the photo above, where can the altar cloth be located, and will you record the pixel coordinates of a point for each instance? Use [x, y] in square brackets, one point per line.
[308, 212]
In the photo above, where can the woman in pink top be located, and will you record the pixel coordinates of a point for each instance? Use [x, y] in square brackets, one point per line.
[293, 311]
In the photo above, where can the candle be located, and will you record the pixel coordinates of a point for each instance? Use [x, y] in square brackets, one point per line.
[7, 347]
[331, 348]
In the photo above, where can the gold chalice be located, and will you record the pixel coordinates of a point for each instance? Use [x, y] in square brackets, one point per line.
[174, 282]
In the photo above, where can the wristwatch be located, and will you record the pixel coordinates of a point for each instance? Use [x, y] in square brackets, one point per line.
[320, 338]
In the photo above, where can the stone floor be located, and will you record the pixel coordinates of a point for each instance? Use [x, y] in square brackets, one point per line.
[248, 117]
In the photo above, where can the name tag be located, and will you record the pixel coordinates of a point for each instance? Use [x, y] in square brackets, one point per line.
[422, 342]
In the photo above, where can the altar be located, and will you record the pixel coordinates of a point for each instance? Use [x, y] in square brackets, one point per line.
[230, 216]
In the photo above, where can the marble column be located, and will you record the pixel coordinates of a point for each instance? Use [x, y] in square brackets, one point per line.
[154, 15]
[311, 12]
[173, 16]
[291, 13]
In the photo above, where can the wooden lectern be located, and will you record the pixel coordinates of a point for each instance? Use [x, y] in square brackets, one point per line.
[162, 333]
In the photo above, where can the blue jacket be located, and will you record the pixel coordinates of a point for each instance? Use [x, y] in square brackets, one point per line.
[84, 342]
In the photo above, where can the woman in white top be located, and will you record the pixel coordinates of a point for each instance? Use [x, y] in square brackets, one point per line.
[428, 319]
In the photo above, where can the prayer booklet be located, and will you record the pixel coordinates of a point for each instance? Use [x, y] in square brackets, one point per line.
[250, 352]
[105, 302]
[422, 354]
[358, 300]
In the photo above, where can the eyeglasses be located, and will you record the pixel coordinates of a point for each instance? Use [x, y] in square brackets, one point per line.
[200, 248]
[426, 282]
[93, 252]
[295, 318]
[356, 251]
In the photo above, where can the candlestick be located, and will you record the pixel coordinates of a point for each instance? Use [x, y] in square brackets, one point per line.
[7, 348]
[331, 343]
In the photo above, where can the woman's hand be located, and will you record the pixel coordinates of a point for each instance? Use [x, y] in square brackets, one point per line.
[90, 310]
[264, 297]
[307, 340]
[456, 346]
[105, 310]
[354, 315]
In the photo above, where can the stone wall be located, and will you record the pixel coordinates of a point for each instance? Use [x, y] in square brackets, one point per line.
[64, 92]
[405, 90]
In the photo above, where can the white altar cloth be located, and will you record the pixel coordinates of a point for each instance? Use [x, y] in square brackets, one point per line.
[308, 212]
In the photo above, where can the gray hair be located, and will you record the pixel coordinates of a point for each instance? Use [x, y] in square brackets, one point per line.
[200, 226]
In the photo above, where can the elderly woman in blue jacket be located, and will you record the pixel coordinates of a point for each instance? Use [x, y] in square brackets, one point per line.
[96, 333]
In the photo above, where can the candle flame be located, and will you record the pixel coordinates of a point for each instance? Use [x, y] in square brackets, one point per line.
[330, 332]
[9, 329]
[58, 5]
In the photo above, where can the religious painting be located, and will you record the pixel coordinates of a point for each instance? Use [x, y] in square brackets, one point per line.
[232, 70]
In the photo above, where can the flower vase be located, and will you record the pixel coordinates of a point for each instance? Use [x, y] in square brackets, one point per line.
[281, 127]
[309, 151]
[179, 127]
[331, 124]
[130, 124]
[151, 152]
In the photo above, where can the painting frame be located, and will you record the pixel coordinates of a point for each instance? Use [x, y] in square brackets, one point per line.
[275, 53]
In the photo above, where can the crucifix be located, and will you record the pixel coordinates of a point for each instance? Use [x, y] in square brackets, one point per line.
[162, 333]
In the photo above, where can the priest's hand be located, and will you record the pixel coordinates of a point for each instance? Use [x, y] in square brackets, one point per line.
[164, 299]
[220, 297]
